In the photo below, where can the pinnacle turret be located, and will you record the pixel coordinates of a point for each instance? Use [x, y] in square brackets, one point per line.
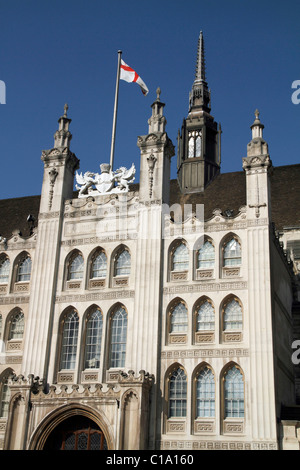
[63, 136]
[200, 67]
[200, 94]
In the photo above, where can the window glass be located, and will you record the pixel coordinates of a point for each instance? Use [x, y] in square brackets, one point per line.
[206, 255]
[76, 268]
[205, 317]
[179, 319]
[177, 394]
[69, 341]
[99, 266]
[93, 340]
[123, 264]
[4, 271]
[234, 394]
[24, 270]
[233, 316]
[118, 338]
[205, 394]
[180, 258]
[17, 326]
[232, 253]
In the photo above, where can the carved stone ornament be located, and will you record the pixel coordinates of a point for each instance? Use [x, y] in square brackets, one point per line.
[93, 184]
[151, 163]
[52, 175]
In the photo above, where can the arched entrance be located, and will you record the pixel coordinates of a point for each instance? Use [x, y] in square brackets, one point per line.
[77, 432]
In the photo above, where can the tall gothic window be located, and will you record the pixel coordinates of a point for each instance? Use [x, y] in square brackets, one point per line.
[76, 267]
[205, 394]
[123, 263]
[93, 339]
[233, 316]
[4, 270]
[24, 270]
[234, 393]
[180, 258]
[177, 394]
[69, 341]
[232, 253]
[206, 256]
[195, 144]
[179, 319]
[118, 337]
[99, 266]
[205, 317]
[4, 398]
[16, 330]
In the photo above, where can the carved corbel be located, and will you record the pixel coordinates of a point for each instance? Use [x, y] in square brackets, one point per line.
[151, 163]
[53, 175]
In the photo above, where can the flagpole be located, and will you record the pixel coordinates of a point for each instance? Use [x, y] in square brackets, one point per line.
[115, 113]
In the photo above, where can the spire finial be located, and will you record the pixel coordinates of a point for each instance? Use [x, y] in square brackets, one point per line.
[200, 68]
[66, 107]
[158, 92]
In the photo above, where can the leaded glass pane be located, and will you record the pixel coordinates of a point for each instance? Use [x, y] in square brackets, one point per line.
[24, 270]
[4, 271]
[191, 147]
[17, 326]
[82, 441]
[99, 266]
[118, 338]
[232, 253]
[177, 394]
[179, 319]
[70, 442]
[233, 316]
[198, 145]
[205, 394]
[76, 268]
[181, 258]
[206, 317]
[234, 394]
[206, 255]
[4, 401]
[123, 264]
[69, 341]
[93, 340]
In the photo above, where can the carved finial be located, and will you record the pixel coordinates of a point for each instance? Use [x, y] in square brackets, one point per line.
[158, 92]
[256, 114]
[66, 107]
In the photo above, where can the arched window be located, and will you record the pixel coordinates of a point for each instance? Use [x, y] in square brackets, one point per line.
[16, 330]
[118, 336]
[233, 316]
[76, 267]
[24, 269]
[233, 393]
[4, 398]
[180, 258]
[205, 316]
[93, 339]
[206, 255]
[122, 263]
[69, 341]
[179, 319]
[99, 266]
[205, 394]
[177, 393]
[195, 144]
[4, 270]
[232, 253]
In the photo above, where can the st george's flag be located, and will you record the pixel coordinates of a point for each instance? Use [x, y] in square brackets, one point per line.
[130, 75]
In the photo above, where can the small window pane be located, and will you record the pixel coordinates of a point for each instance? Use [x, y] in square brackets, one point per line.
[17, 327]
[76, 268]
[69, 342]
[232, 253]
[24, 270]
[233, 316]
[234, 394]
[179, 319]
[118, 338]
[99, 266]
[4, 271]
[198, 145]
[205, 394]
[206, 256]
[123, 264]
[206, 317]
[181, 258]
[177, 394]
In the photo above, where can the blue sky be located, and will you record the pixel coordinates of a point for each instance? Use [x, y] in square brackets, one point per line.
[53, 52]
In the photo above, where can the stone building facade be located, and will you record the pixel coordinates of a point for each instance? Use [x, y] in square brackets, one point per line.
[153, 315]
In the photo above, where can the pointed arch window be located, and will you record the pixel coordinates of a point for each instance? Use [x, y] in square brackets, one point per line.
[234, 393]
[24, 270]
[69, 341]
[93, 340]
[206, 256]
[118, 337]
[99, 266]
[16, 330]
[4, 270]
[179, 319]
[123, 263]
[233, 316]
[76, 267]
[205, 317]
[178, 394]
[180, 258]
[232, 253]
[195, 144]
[4, 398]
[205, 394]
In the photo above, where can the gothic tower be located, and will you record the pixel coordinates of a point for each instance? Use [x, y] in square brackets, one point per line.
[199, 144]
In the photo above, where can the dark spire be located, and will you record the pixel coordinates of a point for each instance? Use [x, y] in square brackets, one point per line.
[63, 136]
[200, 94]
[200, 67]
